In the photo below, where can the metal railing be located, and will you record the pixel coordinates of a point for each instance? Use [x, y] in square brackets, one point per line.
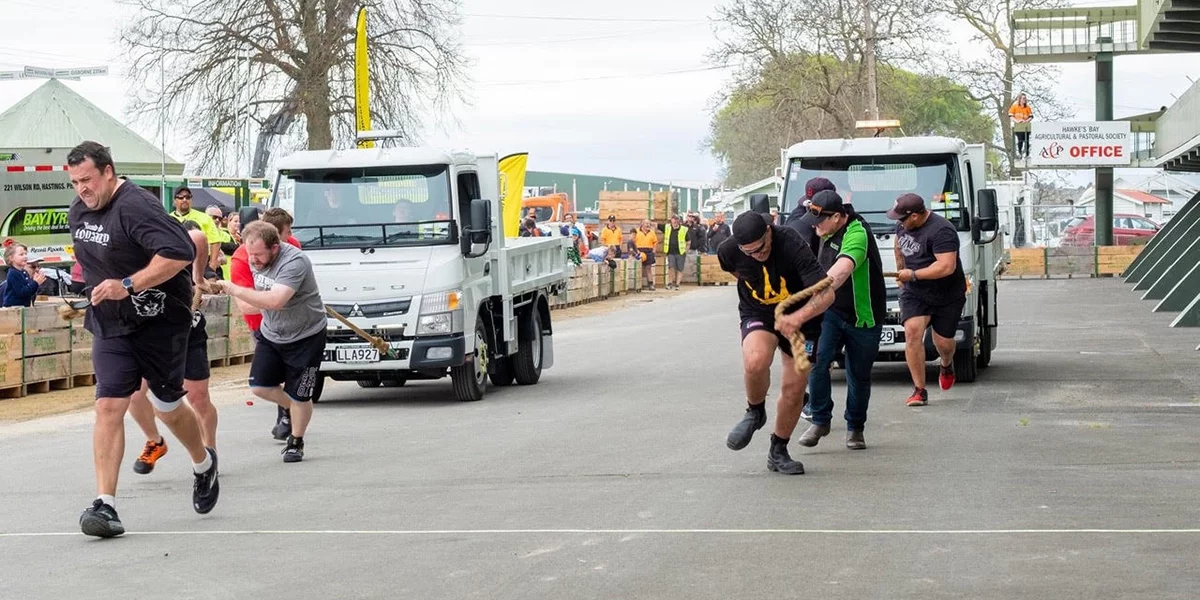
[1179, 127]
[1074, 34]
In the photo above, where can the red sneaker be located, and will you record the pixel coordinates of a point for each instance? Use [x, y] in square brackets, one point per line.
[946, 377]
[919, 397]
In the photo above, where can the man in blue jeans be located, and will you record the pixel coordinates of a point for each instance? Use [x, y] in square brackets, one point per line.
[850, 256]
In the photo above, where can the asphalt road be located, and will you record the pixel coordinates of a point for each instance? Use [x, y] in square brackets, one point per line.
[1070, 470]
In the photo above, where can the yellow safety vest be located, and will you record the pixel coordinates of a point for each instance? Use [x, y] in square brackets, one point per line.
[682, 239]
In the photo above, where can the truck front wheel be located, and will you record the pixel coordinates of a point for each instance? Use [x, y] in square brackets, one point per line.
[470, 378]
[965, 367]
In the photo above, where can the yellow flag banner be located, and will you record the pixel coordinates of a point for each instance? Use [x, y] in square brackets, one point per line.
[362, 92]
[512, 182]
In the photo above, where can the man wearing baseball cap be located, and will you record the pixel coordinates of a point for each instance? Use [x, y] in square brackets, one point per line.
[851, 257]
[801, 219]
[771, 263]
[933, 288]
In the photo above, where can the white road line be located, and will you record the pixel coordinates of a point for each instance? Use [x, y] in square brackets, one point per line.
[426, 532]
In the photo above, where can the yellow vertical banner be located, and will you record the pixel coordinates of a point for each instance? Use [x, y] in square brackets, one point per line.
[512, 182]
[362, 92]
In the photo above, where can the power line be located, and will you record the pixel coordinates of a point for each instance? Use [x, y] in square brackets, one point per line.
[586, 19]
[604, 77]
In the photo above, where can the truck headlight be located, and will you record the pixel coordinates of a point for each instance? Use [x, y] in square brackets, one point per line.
[441, 313]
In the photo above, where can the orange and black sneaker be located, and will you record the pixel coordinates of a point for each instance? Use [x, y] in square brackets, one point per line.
[151, 452]
[946, 377]
[919, 397]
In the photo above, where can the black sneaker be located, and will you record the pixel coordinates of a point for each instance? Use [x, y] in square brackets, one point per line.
[206, 488]
[753, 420]
[101, 520]
[283, 429]
[294, 451]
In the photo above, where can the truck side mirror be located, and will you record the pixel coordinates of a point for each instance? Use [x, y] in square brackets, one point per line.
[760, 203]
[987, 217]
[479, 229]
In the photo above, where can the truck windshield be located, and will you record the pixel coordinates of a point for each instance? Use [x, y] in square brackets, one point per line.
[871, 184]
[378, 206]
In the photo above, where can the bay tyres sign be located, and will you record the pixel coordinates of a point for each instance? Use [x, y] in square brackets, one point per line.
[1080, 143]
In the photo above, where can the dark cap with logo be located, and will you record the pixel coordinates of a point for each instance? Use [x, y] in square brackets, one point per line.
[906, 205]
[829, 203]
[749, 227]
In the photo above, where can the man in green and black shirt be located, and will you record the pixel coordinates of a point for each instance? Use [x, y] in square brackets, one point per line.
[851, 257]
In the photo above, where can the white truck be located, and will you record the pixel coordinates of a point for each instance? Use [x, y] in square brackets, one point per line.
[870, 173]
[408, 244]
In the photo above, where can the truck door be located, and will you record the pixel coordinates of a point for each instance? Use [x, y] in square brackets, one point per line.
[477, 269]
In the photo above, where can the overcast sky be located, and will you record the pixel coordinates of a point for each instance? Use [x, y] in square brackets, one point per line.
[615, 88]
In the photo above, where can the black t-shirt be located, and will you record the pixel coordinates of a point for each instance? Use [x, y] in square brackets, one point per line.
[918, 248]
[790, 268]
[119, 240]
[804, 222]
[717, 233]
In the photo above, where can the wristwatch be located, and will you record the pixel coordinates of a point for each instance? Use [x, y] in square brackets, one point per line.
[913, 271]
[127, 283]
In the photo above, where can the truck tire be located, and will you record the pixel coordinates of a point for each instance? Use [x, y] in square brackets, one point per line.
[965, 367]
[368, 383]
[470, 378]
[502, 371]
[527, 364]
[985, 348]
[394, 382]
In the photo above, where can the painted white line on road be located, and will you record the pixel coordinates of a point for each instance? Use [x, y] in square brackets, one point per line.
[425, 532]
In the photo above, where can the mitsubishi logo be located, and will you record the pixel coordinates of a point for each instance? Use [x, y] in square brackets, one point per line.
[355, 311]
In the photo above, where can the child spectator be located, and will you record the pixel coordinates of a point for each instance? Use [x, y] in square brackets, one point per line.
[21, 283]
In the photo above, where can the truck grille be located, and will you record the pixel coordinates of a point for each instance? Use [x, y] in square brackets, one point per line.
[373, 310]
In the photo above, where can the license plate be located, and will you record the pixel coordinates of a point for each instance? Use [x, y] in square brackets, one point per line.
[368, 354]
[887, 336]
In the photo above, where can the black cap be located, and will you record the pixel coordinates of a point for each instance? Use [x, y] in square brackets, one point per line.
[612, 218]
[817, 185]
[749, 227]
[247, 215]
[829, 203]
[182, 188]
[906, 205]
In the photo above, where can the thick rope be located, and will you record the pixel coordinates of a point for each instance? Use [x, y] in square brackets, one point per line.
[800, 360]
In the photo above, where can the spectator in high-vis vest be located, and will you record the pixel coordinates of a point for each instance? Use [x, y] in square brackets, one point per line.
[675, 244]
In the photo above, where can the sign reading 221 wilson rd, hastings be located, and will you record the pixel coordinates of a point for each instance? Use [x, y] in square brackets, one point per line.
[1102, 143]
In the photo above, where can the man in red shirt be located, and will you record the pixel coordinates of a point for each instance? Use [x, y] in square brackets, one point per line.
[239, 273]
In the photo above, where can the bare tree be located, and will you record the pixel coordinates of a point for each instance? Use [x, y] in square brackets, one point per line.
[997, 79]
[224, 61]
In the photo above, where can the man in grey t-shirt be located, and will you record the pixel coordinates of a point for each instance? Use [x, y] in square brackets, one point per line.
[291, 341]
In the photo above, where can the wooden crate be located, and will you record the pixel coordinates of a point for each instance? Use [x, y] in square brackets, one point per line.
[633, 207]
[54, 370]
[12, 346]
[711, 272]
[80, 337]
[218, 351]
[241, 344]
[1071, 261]
[1026, 262]
[40, 317]
[50, 341]
[81, 361]
[1113, 260]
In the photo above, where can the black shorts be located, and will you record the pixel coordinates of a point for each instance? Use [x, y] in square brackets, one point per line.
[943, 318]
[810, 341]
[156, 353]
[294, 364]
[196, 368]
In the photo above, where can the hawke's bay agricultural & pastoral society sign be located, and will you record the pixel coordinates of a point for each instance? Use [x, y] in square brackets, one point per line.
[1088, 143]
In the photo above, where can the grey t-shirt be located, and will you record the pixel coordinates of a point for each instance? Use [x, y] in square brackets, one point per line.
[304, 314]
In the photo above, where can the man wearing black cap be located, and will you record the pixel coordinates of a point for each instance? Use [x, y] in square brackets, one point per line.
[771, 263]
[851, 257]
[804, 221]
[933, 288]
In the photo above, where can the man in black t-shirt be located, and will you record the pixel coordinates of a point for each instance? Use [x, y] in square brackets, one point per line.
[135, 260]
[771, 263]
[933, 288]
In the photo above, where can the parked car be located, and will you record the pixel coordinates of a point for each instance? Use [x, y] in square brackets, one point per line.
[1081, 231]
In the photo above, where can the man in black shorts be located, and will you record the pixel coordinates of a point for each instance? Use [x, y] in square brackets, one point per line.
[771, 262]
[291, 341]
[933, 288]
[134, 259]
[195, 375]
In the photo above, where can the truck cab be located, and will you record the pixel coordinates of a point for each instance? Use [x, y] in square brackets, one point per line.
[870, 173]
[408, 244]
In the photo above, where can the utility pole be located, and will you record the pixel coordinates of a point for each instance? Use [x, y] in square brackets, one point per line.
[869, 59]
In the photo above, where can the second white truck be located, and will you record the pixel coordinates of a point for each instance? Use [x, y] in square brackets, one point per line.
[408, 244]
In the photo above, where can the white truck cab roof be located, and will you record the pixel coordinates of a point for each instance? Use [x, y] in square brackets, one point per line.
[374, 157]
[879, 146]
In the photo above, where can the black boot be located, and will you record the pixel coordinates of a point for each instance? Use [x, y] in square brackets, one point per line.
[779, 460]
[754, 419]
